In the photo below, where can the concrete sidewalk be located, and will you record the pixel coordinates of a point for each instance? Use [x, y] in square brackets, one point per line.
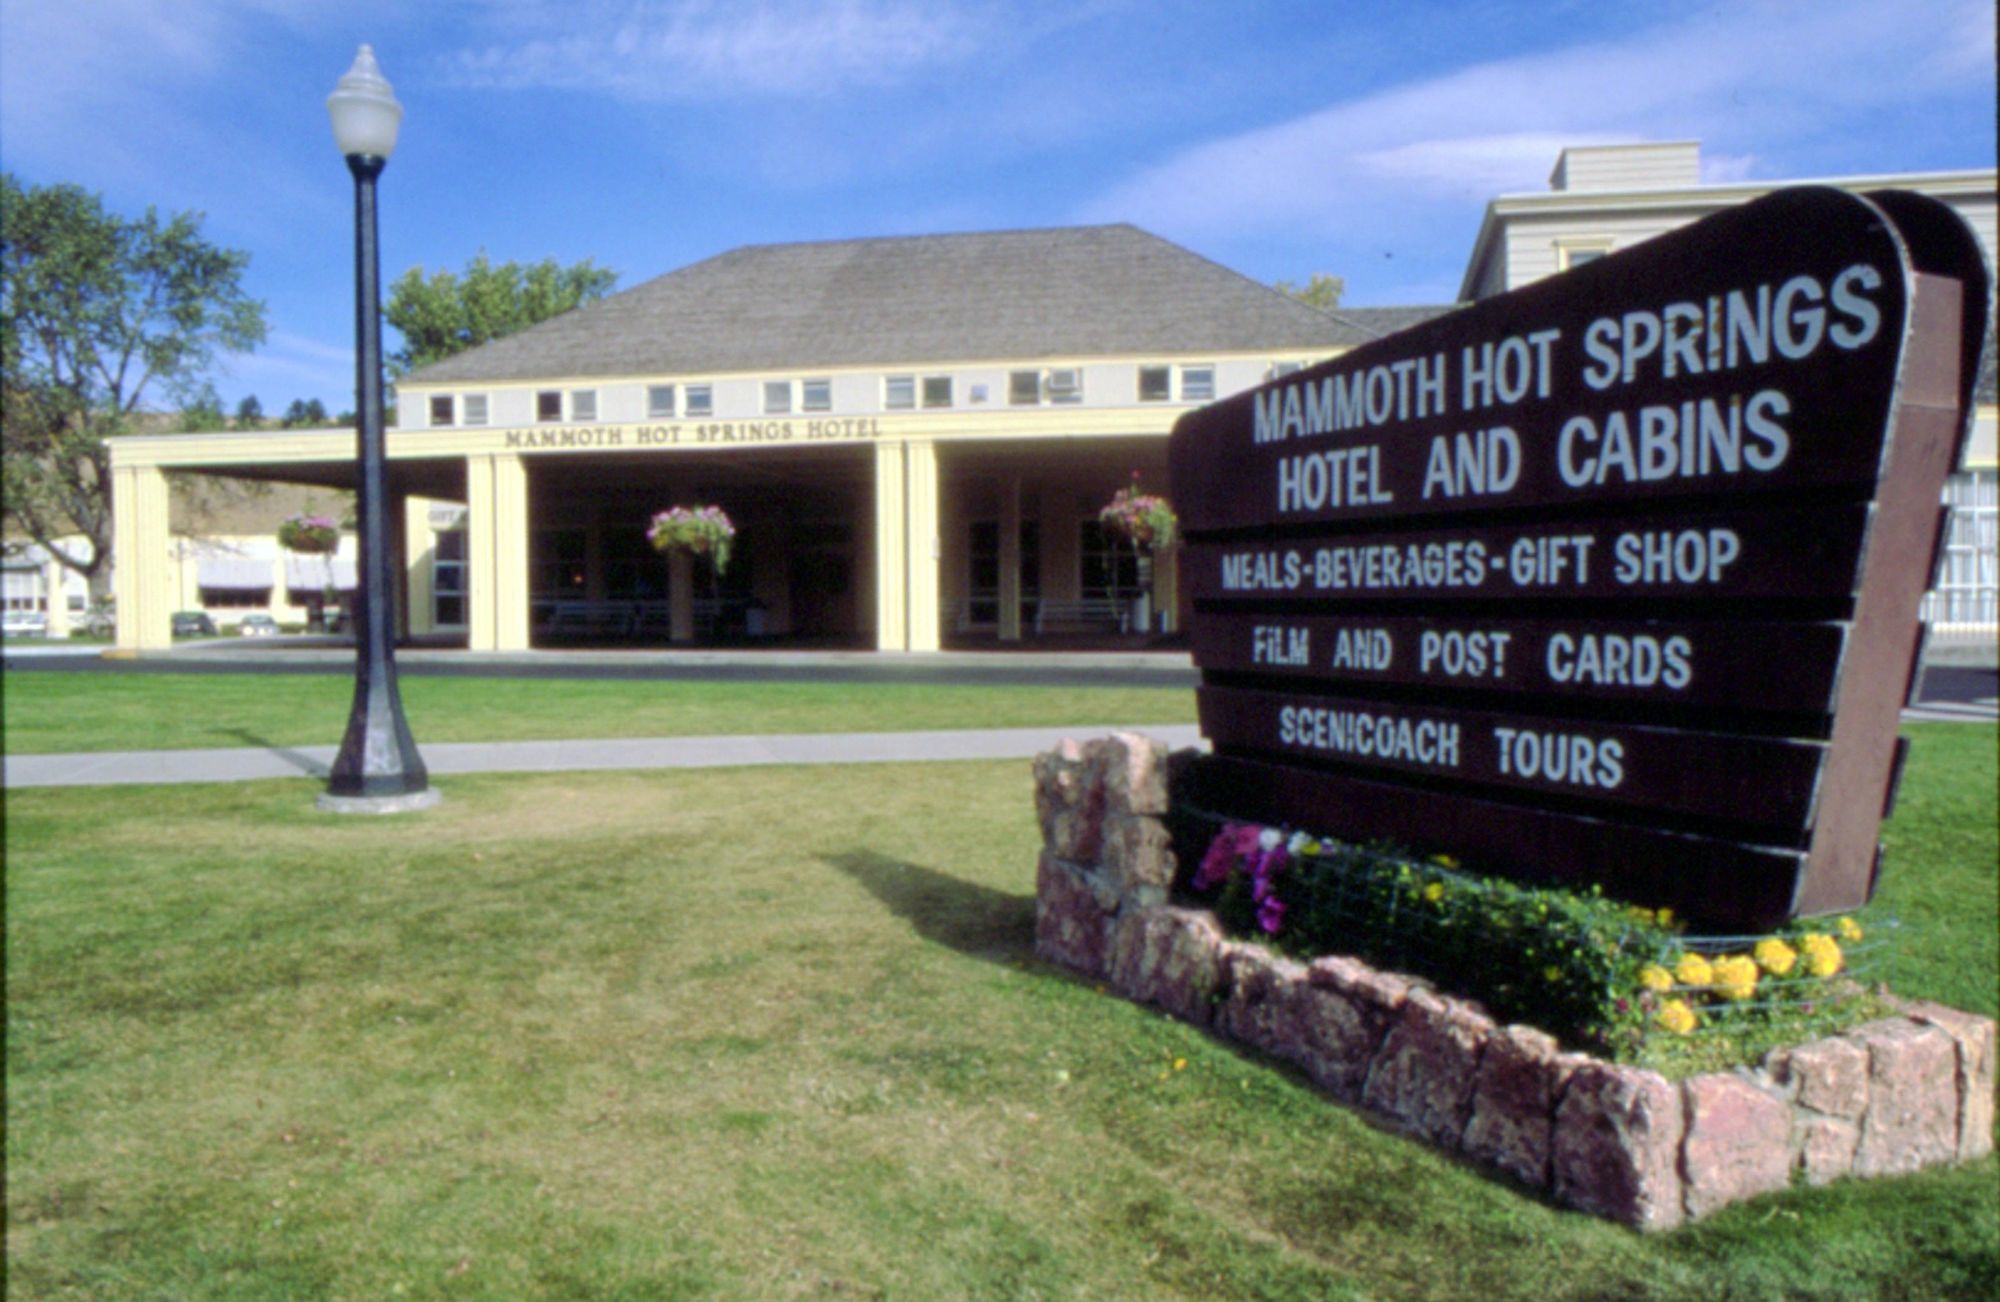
[119, 768]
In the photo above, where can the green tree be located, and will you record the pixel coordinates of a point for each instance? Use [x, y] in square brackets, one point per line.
[249, 412]
[96, 310]
[201, 413]
[307, 412]
[446, 313]
[1320, 290]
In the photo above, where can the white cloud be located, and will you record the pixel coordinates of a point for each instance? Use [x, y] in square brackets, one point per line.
[691, 49]
[1777, 71]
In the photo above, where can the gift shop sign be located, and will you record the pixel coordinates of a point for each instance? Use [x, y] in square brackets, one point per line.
[1613, 578]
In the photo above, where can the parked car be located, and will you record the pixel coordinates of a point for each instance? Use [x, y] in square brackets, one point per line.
[258, 626]
[193, 623]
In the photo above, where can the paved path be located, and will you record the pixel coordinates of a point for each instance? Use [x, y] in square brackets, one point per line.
[115, 768]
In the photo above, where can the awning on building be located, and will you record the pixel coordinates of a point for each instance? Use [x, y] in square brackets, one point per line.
[317, 572]
[234, 573]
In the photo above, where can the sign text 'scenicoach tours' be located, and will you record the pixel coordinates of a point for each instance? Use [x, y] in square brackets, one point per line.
[1610, 579]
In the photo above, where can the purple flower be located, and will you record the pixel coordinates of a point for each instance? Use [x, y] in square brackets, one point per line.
[1271, 915]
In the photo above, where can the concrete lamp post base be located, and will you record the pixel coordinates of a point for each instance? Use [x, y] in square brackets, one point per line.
[408, 803]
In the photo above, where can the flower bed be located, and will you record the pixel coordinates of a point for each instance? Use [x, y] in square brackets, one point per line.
[1890, 1096]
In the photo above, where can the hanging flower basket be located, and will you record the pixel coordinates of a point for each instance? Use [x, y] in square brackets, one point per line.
[1143, 519]
[312, 534]
[696, 530]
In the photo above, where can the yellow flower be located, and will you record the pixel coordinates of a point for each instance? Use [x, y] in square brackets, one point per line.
[1822, 955]
[1693, 970]
[1656, 978]
[1444, 861]
[1849, 929]
[1551, 974]
[1736, 977]
[1676, 1016]
[1775, 956]
[1665, 917]
[1434, 892]
[1180, 1064]
[1638, 914]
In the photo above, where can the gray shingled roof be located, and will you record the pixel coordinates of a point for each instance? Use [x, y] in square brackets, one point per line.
[1066, 292]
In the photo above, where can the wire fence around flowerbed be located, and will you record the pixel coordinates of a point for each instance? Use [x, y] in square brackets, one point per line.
[1597, 973]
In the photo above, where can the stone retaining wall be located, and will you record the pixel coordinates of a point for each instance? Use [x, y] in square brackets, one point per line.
[1889, 1097]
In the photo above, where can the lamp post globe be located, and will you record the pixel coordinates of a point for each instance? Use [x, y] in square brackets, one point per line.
[378, 769]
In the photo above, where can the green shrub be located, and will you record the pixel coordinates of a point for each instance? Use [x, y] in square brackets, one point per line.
[1600, 975]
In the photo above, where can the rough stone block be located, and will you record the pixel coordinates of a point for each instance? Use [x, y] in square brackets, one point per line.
[1912, 1118]
[1262, 1007]
[1826, 1147]
[1137, 857]
[1514, 1104]
[1824, 1076]
[1424, 1074]
[1169, 957]
[1974, 1036]
[1131, 770]
[1384, 992]
[1071, 927]
[1339, 1037]
[1058, 783]
[1738, 1142]
[1617, 1144]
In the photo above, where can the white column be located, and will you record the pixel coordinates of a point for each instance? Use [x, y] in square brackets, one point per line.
[139, 552]
[496, 490]
[891, 539]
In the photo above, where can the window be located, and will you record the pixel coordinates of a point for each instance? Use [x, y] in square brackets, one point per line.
[1197, 383]
[899, 391]
[777, 397]
[700, 400]
[448, 579]
[1279, 370]
[660, 401]
[475, 408]
[984, 573]
[1571, 256]
[816, 395]
[441, 409]
[1155, 383]
[583, 404]
[548, 405]
[1024, 388]
[1109, 567]
[1066, 385]
[633, 571]
[557, 566]
[937, 391]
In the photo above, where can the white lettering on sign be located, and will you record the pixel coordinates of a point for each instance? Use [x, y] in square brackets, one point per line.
[1411, 389]
[1740, 328]
[1507, 371]
[1362, 648]
[1459, 563]
[1620, 660]
[1372, 736]
[1674, 555]
[1278, 644]
[1463, 655]
[1550, 560]
[1467, 465]
[1314, 481]
[1561, 757]
[1262, 571]
[1676, 442]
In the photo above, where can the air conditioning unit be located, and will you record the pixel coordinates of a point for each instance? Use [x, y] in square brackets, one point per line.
[1065, 385]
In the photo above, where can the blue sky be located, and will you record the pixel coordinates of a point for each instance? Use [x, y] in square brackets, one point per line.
[1278, 137]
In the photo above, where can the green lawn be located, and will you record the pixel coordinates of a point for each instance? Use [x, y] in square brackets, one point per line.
[49, 712]
[771, 1033]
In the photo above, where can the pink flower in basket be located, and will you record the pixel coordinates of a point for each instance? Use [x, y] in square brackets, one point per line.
[316, 534]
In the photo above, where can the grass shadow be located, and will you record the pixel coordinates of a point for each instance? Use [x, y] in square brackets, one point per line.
[304, 763]
[974, 920]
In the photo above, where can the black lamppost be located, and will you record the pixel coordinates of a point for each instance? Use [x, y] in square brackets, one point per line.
[378, 770]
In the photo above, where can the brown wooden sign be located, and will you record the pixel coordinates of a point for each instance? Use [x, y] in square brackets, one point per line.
[1628, 559]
